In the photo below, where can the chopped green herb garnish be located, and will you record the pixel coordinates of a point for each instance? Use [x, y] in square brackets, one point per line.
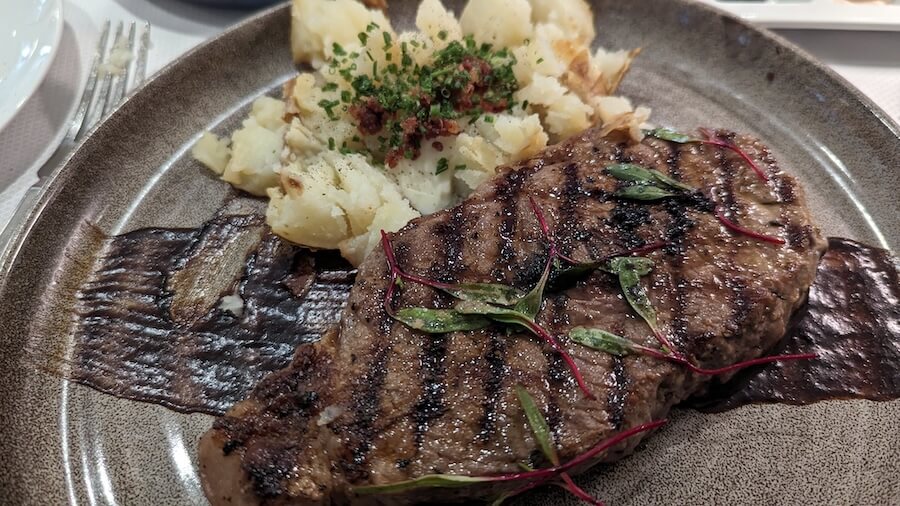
[442, 34]
[328, 106]
[331, 143]
[364, 39]
[460, 167]
[338, 50]
[442, 166]
[330, 87]
[406, 104]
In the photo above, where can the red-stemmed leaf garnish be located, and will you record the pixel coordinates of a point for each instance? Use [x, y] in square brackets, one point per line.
[439, 321]
[541, 431]
[734, 227]
[532, 479]
[711, 138]
[394, 274]
[471, 313]
[608, 342]
[515, 317]
[492, 293]
[629, 271]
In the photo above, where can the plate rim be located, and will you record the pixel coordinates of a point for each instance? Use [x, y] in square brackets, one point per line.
[7, 115]
[60, 178]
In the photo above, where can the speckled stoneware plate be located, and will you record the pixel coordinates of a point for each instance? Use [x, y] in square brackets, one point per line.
[66, 443]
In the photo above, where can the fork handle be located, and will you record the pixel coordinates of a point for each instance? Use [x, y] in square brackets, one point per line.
[23, 210]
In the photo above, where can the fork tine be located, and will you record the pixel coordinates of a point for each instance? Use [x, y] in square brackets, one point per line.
[122, 81]
[87, 95]
[141, 66]
[104, 97]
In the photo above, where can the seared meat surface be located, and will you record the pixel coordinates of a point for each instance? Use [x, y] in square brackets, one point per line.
[375, 402]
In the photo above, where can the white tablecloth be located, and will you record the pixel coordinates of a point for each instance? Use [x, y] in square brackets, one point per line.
[868, 60]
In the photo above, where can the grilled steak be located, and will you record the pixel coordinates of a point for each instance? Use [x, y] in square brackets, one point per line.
[375, 402]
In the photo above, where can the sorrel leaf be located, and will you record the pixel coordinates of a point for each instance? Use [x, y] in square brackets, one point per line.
[539, 426]
[571, 274]
[530, 305]
[439, 321]
[644, 192]
[427, 481]
[498, 314]
[630, 172]
[601, 340]
[491, 293]
[645, 176]
[671, 183]
[667, 134]
[630, 270]
[641, 265]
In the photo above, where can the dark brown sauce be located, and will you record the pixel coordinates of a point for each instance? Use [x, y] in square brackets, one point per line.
[150, 326]
[852, 321]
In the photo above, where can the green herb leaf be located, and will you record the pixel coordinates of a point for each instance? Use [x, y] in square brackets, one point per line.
[630, 270]
[630, 172]
[538, 424]
[427, 481]
[671, 183]
[571, 274]
[498, 314]
[644, 176]
[330, 87]
[641, 265]
[442, 165]
[439, 321]
[328, 106]
[490, 293]
[667, 134]
[601, 340]
[530, 305]
[644, 192]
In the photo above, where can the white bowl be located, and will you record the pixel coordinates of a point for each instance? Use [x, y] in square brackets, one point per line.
[30, 31]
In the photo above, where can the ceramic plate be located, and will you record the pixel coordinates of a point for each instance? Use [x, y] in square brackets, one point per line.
[30, 31]
[64, 443]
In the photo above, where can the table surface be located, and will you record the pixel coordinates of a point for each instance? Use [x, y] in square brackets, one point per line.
[869, 60]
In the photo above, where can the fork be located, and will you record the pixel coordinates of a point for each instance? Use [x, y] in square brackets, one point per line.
[92, 109]
[94, 106]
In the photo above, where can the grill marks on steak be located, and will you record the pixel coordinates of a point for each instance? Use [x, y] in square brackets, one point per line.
[414, 404]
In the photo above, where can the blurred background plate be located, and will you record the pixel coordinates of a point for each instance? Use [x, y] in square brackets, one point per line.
[239, 4]
[30, 31]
